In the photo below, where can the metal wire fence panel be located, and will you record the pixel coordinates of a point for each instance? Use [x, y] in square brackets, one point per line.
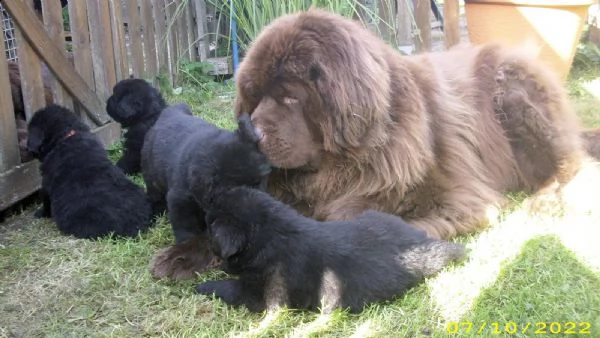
[8, 30]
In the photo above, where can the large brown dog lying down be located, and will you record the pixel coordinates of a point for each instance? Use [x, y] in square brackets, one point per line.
[437, 138]
[350, 124]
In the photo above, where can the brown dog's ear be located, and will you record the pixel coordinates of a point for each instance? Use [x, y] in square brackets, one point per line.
[226, 240]
[356, 100]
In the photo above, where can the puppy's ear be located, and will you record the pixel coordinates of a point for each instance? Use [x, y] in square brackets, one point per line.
[35, 140]
[226, 240]
[246, 130]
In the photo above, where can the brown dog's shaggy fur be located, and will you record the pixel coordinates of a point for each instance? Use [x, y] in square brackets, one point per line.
[436, 138]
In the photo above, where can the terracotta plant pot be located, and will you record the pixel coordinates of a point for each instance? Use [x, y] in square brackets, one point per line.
[554, 25]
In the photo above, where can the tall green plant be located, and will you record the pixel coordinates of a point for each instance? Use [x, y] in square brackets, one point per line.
[253, 15]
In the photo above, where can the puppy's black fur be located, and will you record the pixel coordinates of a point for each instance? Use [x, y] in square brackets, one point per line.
[283, 258]
[136, 105]
[82, 190]
[184, 156]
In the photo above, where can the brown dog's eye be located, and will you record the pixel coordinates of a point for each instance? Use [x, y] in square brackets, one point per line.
[290, 100]
[314, 72]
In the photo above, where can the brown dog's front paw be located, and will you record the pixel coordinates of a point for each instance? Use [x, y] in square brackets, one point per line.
[183, 261]
[548, 201]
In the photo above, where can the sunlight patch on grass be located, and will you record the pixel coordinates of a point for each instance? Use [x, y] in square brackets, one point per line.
[456, 291]
[555, 277]
[364, 330]
[319, 324]
[262, 326]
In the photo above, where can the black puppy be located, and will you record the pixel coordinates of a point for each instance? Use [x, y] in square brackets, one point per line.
[184, 157]
[136, 105]
[283, 258]
[82, 190]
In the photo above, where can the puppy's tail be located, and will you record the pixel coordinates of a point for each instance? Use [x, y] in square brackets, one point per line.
[429, 258]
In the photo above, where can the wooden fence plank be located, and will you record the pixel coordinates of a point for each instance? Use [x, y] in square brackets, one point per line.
[191, 33]
[158, 7]
[201, 28]
[19, 182]
[172, 40]
[9, 144]
[54, 58]
[111, 74]
[80, 40]
[119, 44]
[451, 23]
[135, 39]
[149, 41]
[81, 49]
[53, 21]
[403, 23]
[101, 42]
[385, 9]
[30, 68]
[423, 22]
[183, 44]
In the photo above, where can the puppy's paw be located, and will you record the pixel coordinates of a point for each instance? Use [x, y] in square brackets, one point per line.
[183, 261]
[229, 290]
[208, 288]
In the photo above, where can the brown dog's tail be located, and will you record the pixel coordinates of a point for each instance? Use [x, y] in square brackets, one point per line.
[591, 142]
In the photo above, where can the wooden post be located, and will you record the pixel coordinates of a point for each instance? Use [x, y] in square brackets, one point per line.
[9, 146]
[119, 45]
[172, 39]
[202, 29]
[451, 23]
[423, 20]
[403, 23]
[385, 11]
[183, 44]
[134, 29]
[191, 35]
[82, 51]
[149, 41]
[162, 46]
[30, 67]
[53, 22]
[103, 58]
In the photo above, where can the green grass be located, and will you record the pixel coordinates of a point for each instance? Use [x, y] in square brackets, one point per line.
[524, 269]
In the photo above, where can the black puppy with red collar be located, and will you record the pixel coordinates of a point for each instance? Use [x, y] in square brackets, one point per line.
[82, 190]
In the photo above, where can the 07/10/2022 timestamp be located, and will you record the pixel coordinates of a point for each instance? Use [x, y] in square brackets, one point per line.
[562, 328]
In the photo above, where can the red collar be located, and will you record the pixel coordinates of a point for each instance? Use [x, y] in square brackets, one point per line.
[69, 134]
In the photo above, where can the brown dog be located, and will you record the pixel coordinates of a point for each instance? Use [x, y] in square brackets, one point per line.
[436, 138]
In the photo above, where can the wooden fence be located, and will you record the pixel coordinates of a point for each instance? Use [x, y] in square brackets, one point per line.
[78, 67]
